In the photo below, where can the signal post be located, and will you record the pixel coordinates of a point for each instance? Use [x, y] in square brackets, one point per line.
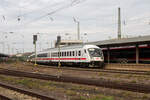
[34, 42]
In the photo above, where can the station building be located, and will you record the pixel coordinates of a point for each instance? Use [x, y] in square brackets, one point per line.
[126, 50]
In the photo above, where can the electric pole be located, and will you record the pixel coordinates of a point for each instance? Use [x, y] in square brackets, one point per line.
[78, 24]
[59, 54]
[78, 27]
[119, 23]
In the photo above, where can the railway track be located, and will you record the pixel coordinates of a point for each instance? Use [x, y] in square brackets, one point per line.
[2, 97]
[23, 91]
[142, 88]
[101, 70]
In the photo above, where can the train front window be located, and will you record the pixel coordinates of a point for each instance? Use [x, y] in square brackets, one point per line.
[95, 52]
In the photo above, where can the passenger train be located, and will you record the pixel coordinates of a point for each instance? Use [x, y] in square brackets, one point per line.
[75, 55]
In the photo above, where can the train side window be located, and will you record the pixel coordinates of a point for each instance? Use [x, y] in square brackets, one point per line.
[45, 55]
[49, 54]
[58, 54]
[76, 53]
[67, 53]
[38, 55]
[85, 50]
[62, 53]
[53, 55]
[42, 55]
[72, 53]
[79, 53]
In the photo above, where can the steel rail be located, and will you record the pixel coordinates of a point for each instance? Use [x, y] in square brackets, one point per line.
[137, 72]
[2, 97]
[135, 87]
[26, 91]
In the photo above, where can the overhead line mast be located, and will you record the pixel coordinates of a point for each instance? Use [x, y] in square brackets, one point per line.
[119, 23]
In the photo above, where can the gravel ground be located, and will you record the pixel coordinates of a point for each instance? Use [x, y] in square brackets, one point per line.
[144, 79]
[15, 95]
[69, 91]
[140, 67]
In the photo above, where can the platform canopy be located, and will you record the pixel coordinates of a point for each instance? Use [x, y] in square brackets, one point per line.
[123, 42]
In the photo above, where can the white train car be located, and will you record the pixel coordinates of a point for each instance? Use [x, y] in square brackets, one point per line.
[81, 55]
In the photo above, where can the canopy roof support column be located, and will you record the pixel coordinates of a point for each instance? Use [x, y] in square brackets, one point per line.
[108, 55]
[137, 54]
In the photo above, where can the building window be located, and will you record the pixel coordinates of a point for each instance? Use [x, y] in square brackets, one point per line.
[67, 53]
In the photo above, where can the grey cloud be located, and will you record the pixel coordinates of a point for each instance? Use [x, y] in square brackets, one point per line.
[98, 18]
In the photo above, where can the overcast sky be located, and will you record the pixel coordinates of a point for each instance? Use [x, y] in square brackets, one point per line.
[20, 19]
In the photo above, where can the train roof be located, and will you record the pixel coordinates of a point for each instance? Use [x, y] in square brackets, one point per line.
[70, 47]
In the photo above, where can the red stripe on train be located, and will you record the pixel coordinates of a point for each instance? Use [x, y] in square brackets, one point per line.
[61, 58]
